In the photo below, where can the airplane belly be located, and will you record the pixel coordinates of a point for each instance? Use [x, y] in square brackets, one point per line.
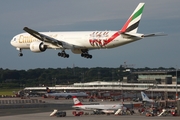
[24, 45]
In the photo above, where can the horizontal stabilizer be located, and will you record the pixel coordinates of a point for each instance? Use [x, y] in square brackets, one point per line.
[154, 34]
[132, 35]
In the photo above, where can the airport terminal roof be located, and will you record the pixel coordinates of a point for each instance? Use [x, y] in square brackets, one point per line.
[172, 72]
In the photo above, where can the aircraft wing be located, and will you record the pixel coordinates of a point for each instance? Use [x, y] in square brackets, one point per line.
[42, 37]
[50, 40]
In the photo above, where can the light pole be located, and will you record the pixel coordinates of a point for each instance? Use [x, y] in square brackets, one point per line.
[176, 84]
[122, 92]
[99, 75]
[55, 83]
[82, 80]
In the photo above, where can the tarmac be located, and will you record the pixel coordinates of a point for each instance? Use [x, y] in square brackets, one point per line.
[45, 116]
[34, 111]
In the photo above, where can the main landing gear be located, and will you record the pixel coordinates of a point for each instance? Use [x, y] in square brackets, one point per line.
[85, 54]
[63, 54]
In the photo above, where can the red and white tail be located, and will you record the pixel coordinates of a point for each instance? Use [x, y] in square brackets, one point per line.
[76, 101]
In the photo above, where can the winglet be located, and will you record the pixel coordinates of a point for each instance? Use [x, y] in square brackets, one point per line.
[132, 23]
[76, 101]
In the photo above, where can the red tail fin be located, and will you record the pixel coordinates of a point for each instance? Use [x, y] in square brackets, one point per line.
[76, 101]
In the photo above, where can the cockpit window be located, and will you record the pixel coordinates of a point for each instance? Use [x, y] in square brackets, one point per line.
[14, 39]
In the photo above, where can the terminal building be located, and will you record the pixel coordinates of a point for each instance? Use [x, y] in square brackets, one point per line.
[153, 80]
[157, 76]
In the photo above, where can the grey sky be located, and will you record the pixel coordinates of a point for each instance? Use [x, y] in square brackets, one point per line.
[59, 15]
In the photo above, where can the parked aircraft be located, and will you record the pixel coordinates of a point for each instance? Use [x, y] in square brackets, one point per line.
[145, 98]
[107, 108]
[66, 95]
[80, 42]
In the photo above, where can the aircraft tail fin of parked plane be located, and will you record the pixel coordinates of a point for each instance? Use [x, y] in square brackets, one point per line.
[76, 101]
[145, 98]
[48, 90]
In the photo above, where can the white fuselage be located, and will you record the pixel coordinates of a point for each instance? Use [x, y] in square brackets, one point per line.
[80, 94]
[84, 39]
[148, 100]
[99, 107]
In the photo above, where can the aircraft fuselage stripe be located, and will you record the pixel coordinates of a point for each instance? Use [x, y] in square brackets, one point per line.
[112, 37]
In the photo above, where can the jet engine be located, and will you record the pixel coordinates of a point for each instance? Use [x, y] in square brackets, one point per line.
[37, 46]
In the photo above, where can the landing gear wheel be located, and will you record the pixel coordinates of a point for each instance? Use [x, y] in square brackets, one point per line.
[59, 54]
[86, 55]
[67, 55]
[90, 56]
[63, 54]
[20, 54]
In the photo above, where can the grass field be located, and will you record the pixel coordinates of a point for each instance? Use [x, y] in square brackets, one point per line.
[8, 91]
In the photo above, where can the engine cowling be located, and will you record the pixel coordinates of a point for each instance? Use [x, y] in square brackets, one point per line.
[37, 46]
[76, 51]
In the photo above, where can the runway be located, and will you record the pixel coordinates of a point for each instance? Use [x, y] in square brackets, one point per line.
[45, 116]
[42, 113]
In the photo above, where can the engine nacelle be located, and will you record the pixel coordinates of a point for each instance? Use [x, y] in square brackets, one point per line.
[76, 51]
[37, 46]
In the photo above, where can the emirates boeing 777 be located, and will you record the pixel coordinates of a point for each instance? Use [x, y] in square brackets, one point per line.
[81, 42]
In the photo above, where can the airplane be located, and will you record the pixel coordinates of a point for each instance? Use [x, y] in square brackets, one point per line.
[145, 98]
[81, 42]
[108, 108]
[66, 95]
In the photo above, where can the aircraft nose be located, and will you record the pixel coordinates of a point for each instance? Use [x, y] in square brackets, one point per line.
[12, 42]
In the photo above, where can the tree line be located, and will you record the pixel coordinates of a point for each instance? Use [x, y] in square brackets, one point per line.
[61, 76]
